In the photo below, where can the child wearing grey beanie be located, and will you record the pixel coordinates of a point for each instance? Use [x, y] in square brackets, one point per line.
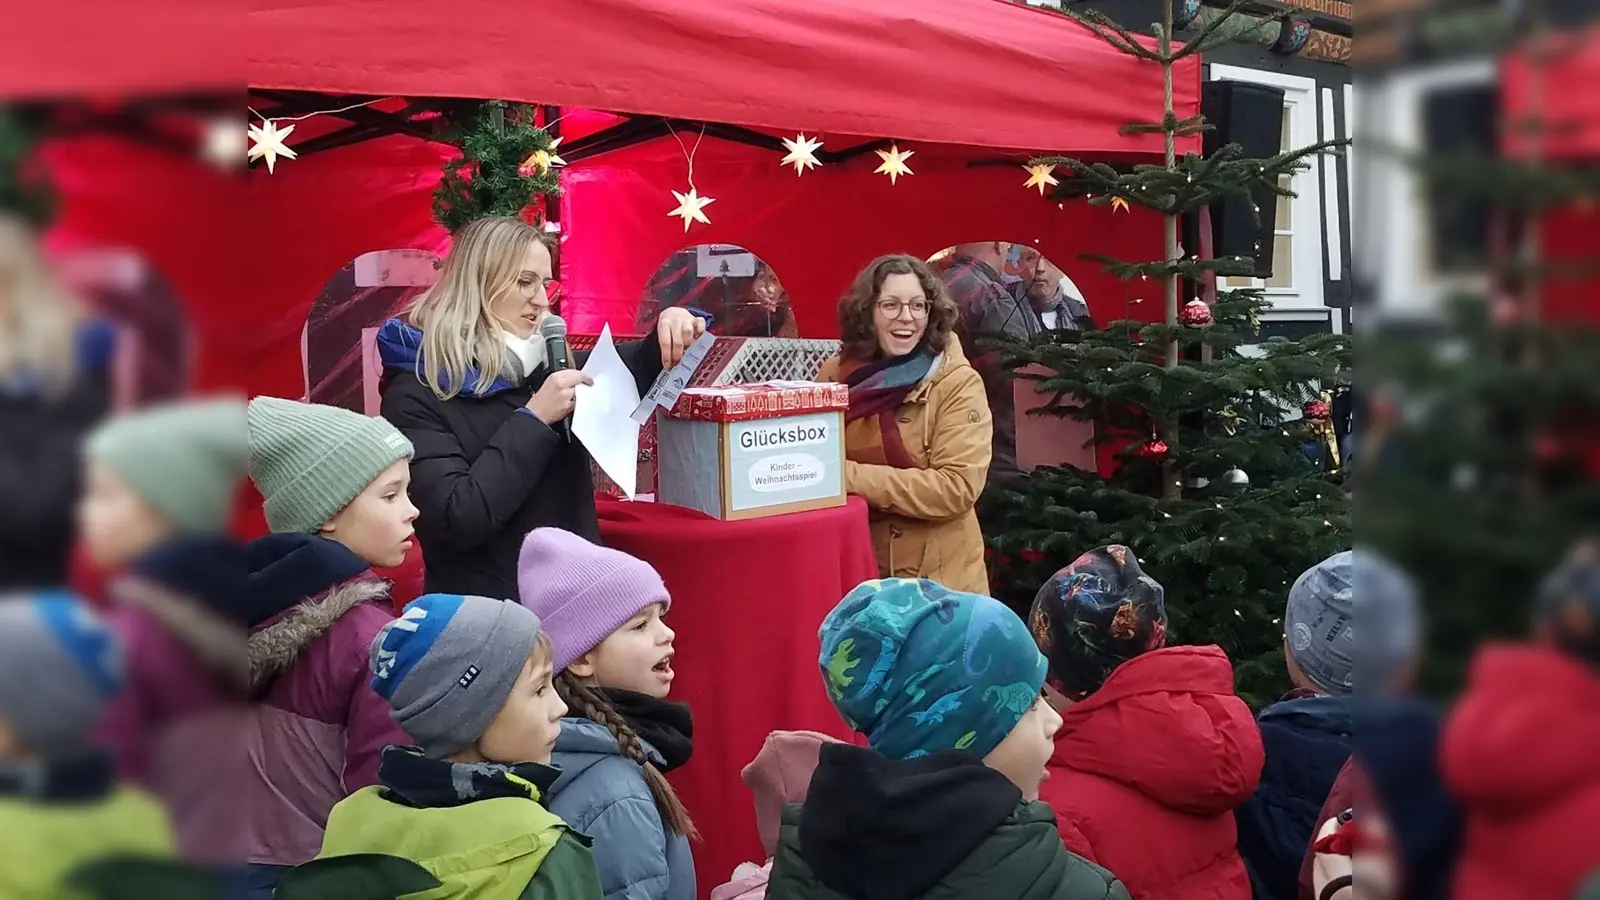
[469, 679]
[449, 665]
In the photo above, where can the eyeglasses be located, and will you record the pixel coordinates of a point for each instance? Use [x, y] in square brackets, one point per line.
[891, 309]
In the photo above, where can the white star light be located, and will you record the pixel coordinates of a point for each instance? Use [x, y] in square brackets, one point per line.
[1040, 176]
[691, 208]
[225, 144]
[269, 143]
[894, 163]
[802, 153]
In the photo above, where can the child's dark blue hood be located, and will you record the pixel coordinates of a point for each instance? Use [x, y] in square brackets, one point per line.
[1312, 716]
[400, 349]
[286, 569]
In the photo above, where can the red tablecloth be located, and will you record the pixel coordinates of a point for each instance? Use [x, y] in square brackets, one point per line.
[747, 599]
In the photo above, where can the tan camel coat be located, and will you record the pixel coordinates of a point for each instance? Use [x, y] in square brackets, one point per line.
[924, 524]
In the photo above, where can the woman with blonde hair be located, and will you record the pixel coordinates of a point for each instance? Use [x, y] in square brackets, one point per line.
[466, 379]
[918, 432]
[53, 389]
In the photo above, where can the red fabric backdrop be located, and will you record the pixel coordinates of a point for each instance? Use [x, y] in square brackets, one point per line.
[248, 297]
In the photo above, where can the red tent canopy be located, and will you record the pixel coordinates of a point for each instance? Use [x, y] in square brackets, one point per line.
[987, 73]
[976, 87]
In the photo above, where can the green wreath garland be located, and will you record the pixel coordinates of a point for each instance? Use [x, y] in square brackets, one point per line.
[489, 178]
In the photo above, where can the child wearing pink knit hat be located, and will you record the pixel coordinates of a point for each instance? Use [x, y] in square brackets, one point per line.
[778, 777]
[603, 611]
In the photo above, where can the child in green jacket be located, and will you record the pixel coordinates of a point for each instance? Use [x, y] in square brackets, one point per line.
[62, 814]
[461, 815]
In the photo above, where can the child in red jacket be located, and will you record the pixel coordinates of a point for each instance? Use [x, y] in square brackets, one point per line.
[1155, 751]
[1520, 754]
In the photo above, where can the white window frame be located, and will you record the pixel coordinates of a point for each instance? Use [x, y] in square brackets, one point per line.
[1301, 98]
[1392, 201]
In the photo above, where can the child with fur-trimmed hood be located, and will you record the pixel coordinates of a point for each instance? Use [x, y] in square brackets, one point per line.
[334, 483]
[159, 490]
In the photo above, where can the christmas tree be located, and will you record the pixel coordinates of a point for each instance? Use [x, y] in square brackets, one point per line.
[1223, 482]
[1482, 459]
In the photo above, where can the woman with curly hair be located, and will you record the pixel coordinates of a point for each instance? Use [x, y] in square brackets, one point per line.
[918, 432]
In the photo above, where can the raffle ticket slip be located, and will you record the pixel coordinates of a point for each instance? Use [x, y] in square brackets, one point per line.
[670, 384]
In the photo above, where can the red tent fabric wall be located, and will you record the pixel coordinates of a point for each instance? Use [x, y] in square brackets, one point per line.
[296, 229]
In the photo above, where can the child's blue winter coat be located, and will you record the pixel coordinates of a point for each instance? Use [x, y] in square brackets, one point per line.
[1307, 741]
[603, 794]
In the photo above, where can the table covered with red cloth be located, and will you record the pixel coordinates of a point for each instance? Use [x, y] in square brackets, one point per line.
[747, 599]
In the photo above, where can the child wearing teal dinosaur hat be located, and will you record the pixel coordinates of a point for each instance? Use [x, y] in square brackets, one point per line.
[946, 688]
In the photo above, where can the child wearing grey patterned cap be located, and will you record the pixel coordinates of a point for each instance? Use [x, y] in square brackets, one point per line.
[1355, 592]
[469, 679]
[1350, 624]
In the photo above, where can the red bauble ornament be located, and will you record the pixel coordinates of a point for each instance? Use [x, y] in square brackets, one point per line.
[1195, 313]
[1155, 448]
[1316, 410]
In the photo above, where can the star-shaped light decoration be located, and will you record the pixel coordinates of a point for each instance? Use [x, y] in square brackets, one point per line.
[691, 208]
[894, 163]
[224, 144]
[269, 143]
[540, 161]
[802, 153]
[1040, 176]
[1119, 203]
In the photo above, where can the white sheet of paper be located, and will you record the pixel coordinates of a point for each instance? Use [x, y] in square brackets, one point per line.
[600, 415]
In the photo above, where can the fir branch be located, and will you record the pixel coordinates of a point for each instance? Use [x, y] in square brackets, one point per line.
[1202, 42]
[488, 178]
[1112, 32]
[1189, 268]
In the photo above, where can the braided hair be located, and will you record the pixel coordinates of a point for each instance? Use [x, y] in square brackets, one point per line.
[593, 705]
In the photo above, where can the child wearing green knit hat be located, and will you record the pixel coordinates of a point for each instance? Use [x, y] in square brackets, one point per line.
[161, 485]
[164, 472]
[334, 484]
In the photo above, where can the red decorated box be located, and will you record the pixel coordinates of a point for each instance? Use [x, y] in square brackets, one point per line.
[749, 450]
[764, 400]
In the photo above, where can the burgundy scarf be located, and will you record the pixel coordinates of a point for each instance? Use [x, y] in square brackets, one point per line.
[879, 388]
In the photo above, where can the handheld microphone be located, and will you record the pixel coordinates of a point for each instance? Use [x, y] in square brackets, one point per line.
[553, 329]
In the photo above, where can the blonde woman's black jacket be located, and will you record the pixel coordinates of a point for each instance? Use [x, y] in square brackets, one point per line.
[485, 474]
